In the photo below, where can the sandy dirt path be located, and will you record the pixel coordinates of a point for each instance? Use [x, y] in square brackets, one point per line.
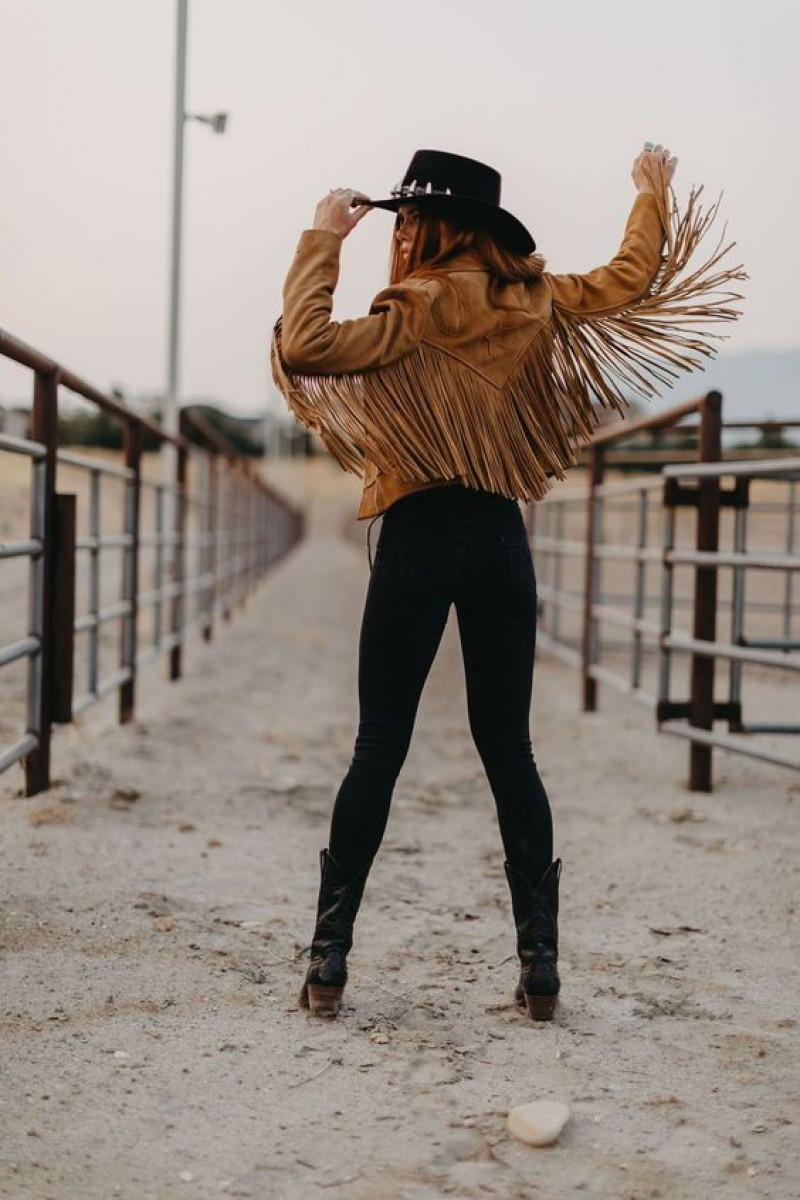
[159, 899]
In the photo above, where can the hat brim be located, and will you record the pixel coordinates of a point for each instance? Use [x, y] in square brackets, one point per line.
[511, 231]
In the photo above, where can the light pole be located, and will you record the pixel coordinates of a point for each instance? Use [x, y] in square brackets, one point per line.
[217, 122]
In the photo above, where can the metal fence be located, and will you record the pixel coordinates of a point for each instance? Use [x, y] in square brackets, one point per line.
[190, 549]
[629, 528]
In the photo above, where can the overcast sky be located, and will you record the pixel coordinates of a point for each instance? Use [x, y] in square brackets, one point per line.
[559, 98]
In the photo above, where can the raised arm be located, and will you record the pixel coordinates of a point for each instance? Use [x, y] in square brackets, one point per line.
[629, 274]
[311, 343]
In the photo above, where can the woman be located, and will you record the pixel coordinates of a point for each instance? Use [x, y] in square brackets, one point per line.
[468, 386]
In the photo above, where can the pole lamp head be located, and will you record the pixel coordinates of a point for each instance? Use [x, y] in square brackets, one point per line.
[217, 121]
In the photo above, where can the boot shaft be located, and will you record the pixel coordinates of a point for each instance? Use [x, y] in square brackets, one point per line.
[535, 905]
[338, 904]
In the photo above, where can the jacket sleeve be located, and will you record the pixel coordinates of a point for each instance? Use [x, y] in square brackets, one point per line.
[631, 327]
[623, 280]
[311, 343]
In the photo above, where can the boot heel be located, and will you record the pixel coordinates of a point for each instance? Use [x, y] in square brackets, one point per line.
[323, 999]
[540, 1008]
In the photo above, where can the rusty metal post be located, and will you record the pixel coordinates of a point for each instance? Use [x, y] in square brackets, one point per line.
[244, 521]
[240, 535]
[701, 701]
[738, 590]
[212, 469]
[228, 544]
[44, 429]
[242, 525]
[596, 473]
[130, 576]
[177, 621]
[63, 608]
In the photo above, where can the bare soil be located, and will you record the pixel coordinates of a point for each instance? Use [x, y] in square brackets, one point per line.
[160, 897]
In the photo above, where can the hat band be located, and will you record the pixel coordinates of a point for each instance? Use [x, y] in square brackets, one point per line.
[419, 189]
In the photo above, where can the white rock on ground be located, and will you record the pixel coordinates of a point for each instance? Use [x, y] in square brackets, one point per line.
[539, 1122]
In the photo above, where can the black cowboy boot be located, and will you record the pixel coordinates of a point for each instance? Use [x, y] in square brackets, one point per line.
[536, 917]
[338, 903]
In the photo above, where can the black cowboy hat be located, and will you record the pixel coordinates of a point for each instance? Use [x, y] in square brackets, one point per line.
[440, 179]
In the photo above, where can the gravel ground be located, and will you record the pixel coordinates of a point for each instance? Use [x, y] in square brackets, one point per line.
[159, 900]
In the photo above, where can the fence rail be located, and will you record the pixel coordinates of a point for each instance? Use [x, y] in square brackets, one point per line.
[634, 508]
[191, 548]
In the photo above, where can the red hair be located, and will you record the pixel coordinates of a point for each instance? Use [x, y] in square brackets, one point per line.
[441, 233]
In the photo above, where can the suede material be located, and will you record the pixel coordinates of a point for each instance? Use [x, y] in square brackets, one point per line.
[496, 325]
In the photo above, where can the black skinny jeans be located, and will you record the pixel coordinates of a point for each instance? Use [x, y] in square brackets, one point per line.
[441, 546]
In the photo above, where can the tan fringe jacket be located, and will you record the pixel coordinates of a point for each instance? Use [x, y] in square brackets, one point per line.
[492, 385]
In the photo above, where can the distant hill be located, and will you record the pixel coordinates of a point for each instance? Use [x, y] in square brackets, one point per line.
[755, 385]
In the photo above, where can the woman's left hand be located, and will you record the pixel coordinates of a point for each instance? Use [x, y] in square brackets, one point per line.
[335, 214]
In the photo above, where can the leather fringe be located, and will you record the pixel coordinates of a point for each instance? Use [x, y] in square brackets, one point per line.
[644, 346]
[431, 416]
[404, 419]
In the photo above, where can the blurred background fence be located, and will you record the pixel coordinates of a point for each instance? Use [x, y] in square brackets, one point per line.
[109, 561]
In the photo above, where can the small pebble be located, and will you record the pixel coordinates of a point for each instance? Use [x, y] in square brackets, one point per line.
[461, 1147]
[538, 1123]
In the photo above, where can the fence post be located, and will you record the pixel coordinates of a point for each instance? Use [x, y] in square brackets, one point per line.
[596, 473]
[63, 608]
[130, 575]
[228, 547]
[212, 469]
[179, 553]
[739, 583]
[44, 429]
[701, 698]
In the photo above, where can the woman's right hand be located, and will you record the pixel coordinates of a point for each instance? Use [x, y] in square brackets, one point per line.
[338, 212]
[646, 164]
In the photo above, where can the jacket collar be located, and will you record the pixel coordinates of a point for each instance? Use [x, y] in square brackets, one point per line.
[465, 260]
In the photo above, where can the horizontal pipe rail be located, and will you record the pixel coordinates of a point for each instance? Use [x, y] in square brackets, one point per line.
[15, 445]
[724, 741]
[17, 650]
[577, 549]
[185, 563]
[717, 558]
[640, 694]
[662, 420]
[86, 463]
[651, 504]
[109, 540]
[764, 468]
[679, 641]
[26, 549]
[20, 749]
